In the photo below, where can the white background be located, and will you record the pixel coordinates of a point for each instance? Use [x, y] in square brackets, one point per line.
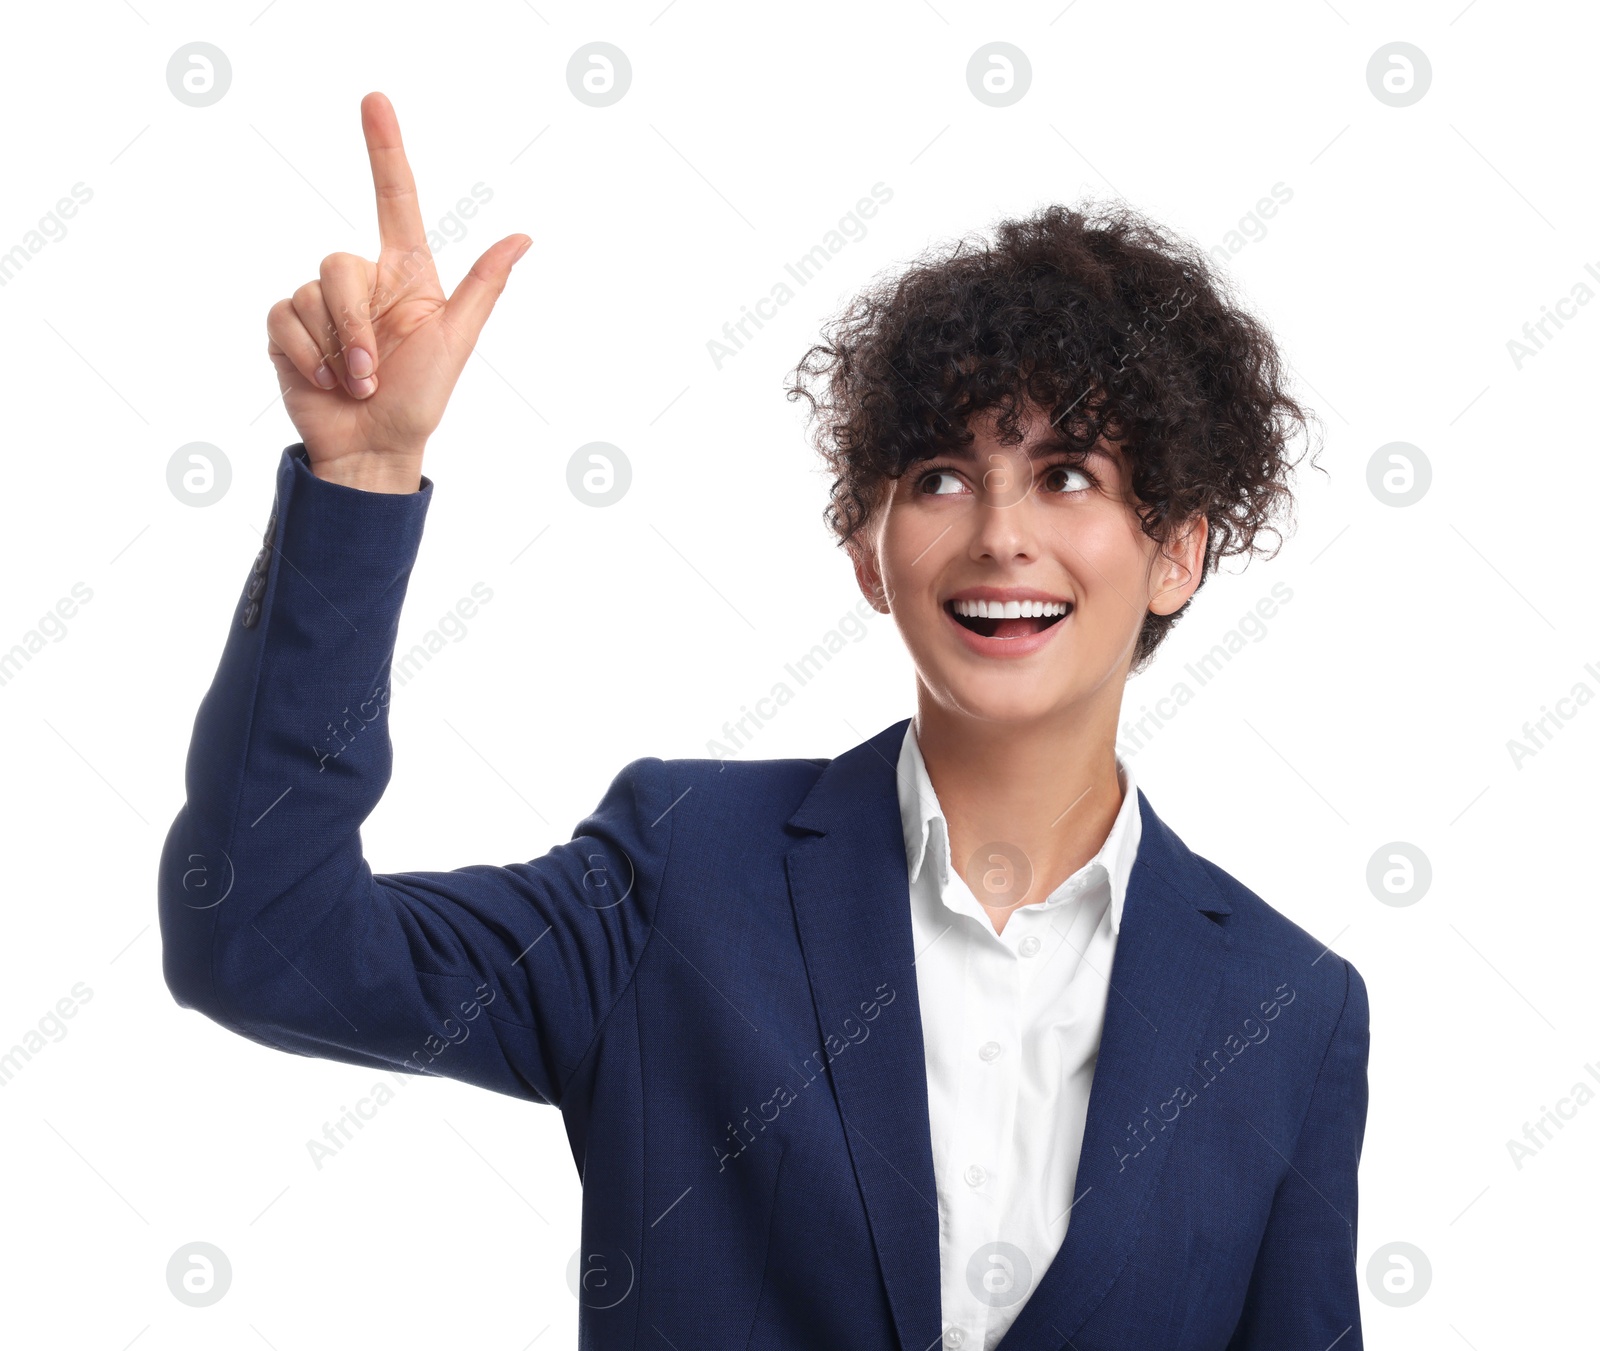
[1377, 707]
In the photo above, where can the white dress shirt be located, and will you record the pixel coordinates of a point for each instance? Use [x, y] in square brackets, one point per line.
[1011, 1028]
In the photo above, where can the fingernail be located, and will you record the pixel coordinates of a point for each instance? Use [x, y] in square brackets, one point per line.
[325, 377]
[358, 361]
[362, 388]
[526, 244]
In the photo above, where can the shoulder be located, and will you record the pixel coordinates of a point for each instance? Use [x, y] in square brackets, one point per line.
[1262, 937]
[749, 793]
[1255, 923]
[1268, 951]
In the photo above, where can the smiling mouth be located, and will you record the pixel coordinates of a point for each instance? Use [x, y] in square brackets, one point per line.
[1007, 619]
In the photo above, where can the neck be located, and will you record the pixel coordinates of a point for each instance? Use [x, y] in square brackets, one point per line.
[1048, 787]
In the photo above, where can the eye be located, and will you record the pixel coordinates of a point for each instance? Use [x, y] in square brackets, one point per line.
[940, 483]
[1066, 478]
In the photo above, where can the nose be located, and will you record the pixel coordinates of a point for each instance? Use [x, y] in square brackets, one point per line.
[1006, 517]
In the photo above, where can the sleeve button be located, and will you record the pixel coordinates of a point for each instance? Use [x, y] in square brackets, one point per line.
[262, 560]
[252, 612]
[254, 587]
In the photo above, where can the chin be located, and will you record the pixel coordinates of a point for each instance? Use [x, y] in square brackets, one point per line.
[1005, 699]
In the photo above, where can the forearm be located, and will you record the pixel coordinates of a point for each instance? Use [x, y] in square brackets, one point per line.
[290, 750]
[272, 922]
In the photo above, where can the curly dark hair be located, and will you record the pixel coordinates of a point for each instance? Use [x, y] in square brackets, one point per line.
[1112, 325]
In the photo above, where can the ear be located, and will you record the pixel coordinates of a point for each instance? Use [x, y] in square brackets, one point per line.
[1178, 568]
[869, 577]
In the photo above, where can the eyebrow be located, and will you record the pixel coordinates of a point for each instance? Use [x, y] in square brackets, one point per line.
[1049, 444]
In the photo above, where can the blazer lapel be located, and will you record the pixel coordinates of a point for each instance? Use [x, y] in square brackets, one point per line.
[1165, 978]
[848, 884]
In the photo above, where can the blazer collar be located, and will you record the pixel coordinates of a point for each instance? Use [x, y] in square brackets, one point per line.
[849, 887]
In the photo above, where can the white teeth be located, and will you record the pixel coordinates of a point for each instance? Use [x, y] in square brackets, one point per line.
[1009, 609]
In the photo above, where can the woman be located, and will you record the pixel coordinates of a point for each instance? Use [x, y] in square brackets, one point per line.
[949, 1039]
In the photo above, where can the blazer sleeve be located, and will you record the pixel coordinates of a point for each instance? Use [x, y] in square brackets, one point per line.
[1304, 1290]
[273, 924]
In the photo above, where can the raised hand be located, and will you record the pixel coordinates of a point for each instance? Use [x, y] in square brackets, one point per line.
[368, 353]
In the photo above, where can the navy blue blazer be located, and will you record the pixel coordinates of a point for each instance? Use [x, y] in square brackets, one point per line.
[714, 983]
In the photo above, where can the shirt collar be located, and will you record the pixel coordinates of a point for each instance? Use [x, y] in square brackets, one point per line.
[927, 834]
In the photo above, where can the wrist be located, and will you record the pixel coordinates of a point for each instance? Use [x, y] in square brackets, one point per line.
[373, 472]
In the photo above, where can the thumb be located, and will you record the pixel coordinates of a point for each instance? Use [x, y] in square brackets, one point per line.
[470, 303]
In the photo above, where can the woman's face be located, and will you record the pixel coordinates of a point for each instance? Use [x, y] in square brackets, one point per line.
[1018, 575]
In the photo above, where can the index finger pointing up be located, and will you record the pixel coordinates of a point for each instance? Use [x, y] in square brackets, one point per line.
[399, 214]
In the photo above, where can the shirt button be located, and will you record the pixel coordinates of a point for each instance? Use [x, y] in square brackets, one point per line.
[954, 1337]
[1028, 947]
[975, 1176]
[990, 1050]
